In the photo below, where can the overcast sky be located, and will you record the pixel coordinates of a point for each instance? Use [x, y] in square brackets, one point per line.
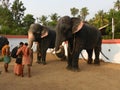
[62, 7]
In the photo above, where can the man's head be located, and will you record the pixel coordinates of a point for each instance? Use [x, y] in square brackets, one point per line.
[21, 43]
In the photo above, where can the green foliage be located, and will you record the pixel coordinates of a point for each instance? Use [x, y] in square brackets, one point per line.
[83, 13]
[74, 11]
[13, 20]
[27, 21]
[18, 11]
[5, 29]
[5, 17]
[43, 20]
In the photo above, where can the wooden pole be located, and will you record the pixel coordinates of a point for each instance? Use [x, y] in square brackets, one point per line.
[113, 28]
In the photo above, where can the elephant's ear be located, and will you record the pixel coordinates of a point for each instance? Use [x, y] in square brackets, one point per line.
[77, 27]
[44, 33]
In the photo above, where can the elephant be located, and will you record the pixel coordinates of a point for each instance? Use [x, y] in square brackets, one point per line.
[3, 41]
[45, 38]
[80, 35]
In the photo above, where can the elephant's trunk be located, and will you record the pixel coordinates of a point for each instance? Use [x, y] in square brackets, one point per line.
[59, 49]
[58, 44]
[30, 39]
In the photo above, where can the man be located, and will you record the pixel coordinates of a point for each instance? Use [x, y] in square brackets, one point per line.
[18, 63]
[6, 56]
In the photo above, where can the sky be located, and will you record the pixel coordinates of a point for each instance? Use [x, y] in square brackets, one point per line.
[62, 7]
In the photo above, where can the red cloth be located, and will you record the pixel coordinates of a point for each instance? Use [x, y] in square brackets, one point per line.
[18, 69]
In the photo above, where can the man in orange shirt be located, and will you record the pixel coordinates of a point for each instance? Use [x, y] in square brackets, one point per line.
[26, 59]
[6, 56]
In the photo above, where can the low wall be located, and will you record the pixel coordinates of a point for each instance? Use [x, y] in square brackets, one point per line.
[110, 48]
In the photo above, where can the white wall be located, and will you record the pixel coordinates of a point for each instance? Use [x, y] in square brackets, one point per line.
[112, 51]
[15, 42]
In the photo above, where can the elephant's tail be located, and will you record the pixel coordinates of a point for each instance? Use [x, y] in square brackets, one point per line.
[83, 56]
[104, 55]
[101, 53]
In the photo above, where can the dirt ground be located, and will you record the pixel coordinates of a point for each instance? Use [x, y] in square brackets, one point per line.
[55, 76]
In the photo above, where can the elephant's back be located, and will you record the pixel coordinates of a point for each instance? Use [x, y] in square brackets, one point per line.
[90, 36]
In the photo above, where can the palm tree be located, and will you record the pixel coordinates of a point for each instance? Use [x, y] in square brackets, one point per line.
[100, 19]
[117, 5]
[54, 17]
[83, 13]
[43, 20]
[74, 11]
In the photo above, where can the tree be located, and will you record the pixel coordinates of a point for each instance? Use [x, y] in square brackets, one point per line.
[116, 15]
[43, 20]
[83, 13]
[54, 18]
[74, 11]
[5, 16]
[6, 19]
[18, 11]
[102, 20]
[5, 3]
[27, 21]
[117, 5]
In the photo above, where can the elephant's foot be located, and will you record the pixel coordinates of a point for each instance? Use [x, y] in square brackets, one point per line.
[89, 61]
[69, 67]
[64, 59]
[96, 62]
[38, 62]
[44, 63]
[75, 69]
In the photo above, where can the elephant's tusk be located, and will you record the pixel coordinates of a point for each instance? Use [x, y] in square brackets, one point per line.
[58, 51]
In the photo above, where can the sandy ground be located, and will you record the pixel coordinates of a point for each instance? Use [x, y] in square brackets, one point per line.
[55, 76]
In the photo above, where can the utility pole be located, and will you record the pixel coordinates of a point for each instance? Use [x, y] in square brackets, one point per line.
[113, 28]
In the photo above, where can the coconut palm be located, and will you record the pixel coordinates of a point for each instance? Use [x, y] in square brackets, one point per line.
[117, 5]
[83, 13]
[74, 11]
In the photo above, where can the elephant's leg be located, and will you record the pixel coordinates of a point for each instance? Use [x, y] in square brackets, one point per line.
[77, 51]
[43, 54]
[69, 60]
[38, 57]
[90, 52]
[97, 53]
[44, 58]
[43, 49]
[75, 65]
